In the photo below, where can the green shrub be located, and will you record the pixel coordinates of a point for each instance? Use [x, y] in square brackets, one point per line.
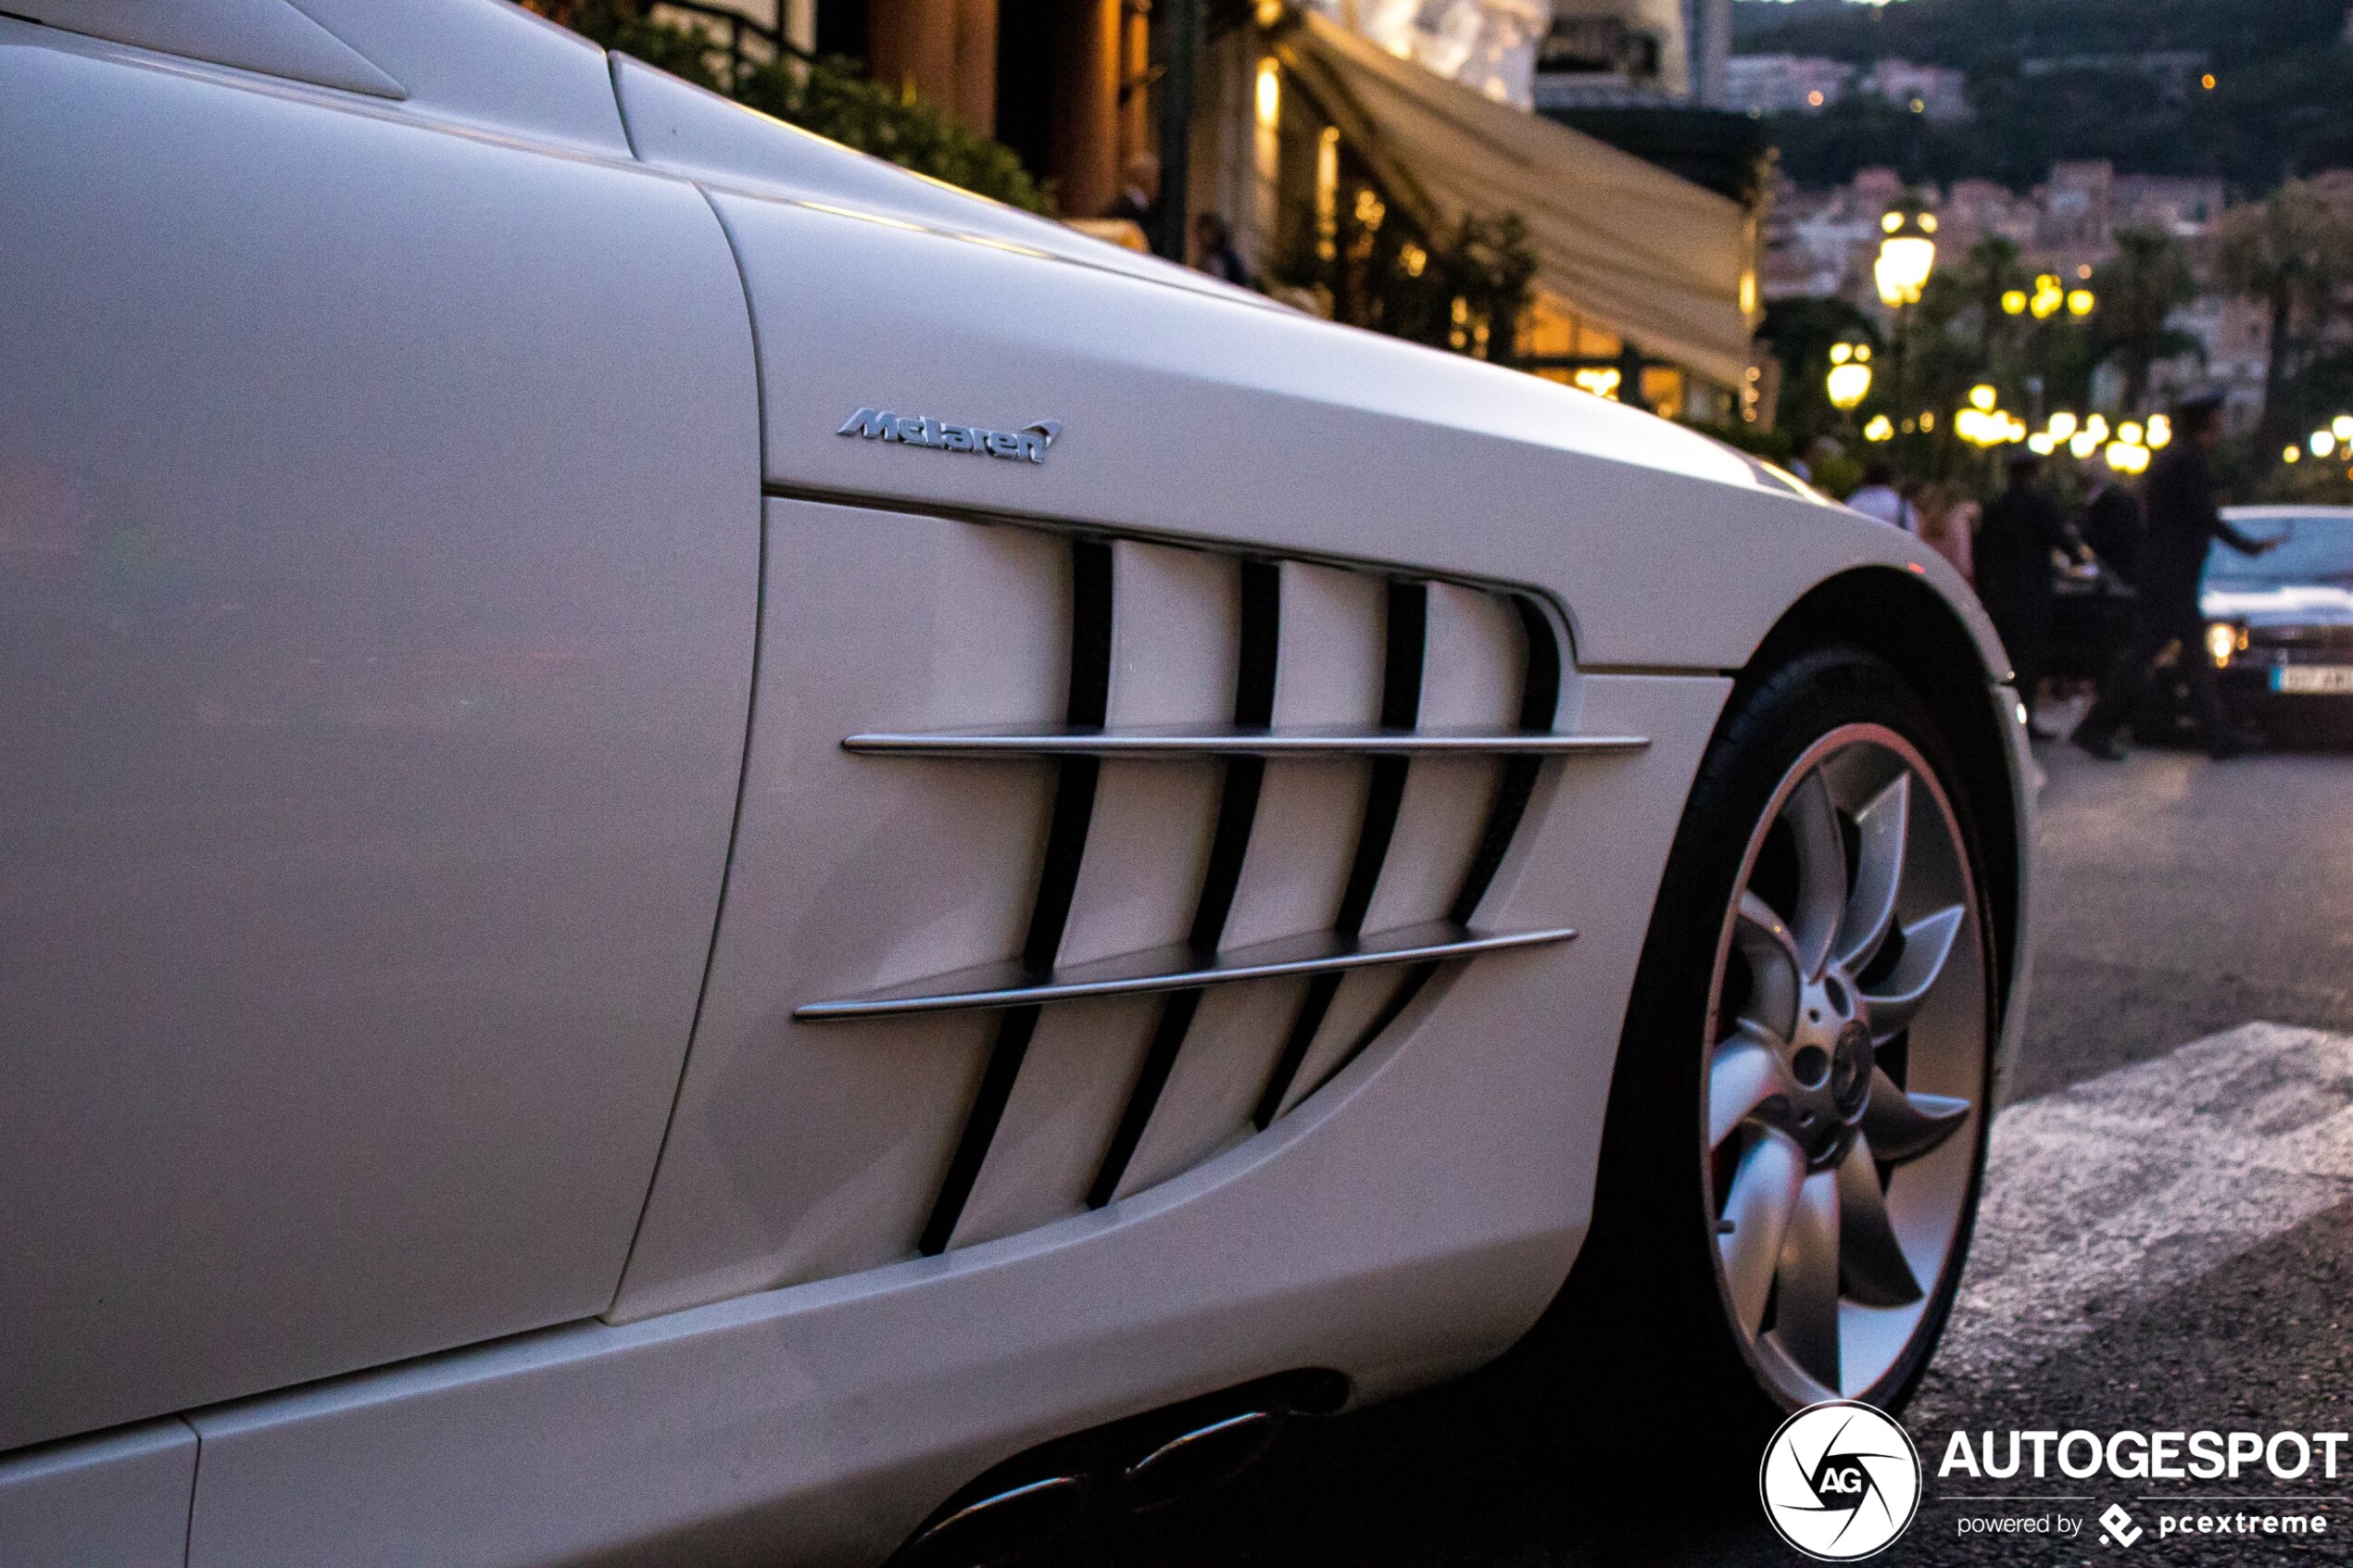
[833, 98]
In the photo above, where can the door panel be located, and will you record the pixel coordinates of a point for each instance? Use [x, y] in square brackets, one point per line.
[378, 583]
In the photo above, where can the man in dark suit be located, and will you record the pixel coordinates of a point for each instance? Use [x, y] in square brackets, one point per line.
[1138, 198]
[2013, 544]
[2112, 527]
[2184, 523]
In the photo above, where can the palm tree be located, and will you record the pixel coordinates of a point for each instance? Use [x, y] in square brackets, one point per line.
[2291, 253]
[2138, 293]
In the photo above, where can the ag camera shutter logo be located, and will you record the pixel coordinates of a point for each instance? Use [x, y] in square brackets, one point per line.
[1840, 1481]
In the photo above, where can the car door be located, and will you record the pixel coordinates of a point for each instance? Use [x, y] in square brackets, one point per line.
[379, 544]
[1018, 484]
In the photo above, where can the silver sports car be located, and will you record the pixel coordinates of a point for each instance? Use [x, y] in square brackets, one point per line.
[701, 845]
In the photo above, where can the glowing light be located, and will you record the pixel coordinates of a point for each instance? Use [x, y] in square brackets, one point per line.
[1848, 384]
[2128, 456]
[1328, 193]
[2064, 424]
[1928, 419]
[1928, 223]
[1989, 427]
[2098, 425]
[2207, 82]
[1270, 92]
[2050, 296]
[2160, 433]
[2341, 427]
[1414, 258]
[1601, 383]
[2083, 444]
[2042, 443]
[1905, 262]
[2130, 433]
[1892, 221]
[2081, 302]
[1841, 353]
[1879, 429]
[2221, 641]
[2290, 455]
[1983, 397]
[2014, 302]
[2322, 443]
[1815, 97]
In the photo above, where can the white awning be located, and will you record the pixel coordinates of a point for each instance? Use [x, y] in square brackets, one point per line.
[1619, 242]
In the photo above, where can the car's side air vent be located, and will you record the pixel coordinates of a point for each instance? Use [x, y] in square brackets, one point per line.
[1281, 791]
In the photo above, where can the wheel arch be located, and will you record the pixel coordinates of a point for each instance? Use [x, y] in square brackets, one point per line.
[1899, 617]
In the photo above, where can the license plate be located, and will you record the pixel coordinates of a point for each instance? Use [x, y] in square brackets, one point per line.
[2312, 679]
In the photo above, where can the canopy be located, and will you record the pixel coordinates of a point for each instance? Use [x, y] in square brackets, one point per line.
[1621, 243]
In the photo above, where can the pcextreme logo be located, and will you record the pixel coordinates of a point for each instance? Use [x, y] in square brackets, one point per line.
[1840, 1481]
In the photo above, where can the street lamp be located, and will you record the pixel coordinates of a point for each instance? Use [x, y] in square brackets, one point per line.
[1907, 256]
[1850, 378]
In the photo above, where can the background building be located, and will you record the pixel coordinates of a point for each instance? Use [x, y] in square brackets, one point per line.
[1373, 159]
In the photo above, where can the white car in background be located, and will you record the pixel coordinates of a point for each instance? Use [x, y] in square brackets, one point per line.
[710, 855]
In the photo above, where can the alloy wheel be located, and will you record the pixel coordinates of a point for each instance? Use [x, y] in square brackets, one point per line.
[1846, 1067]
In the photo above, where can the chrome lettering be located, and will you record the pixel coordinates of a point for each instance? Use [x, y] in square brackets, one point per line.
[1027, 444]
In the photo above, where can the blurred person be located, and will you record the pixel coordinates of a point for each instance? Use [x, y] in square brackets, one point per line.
[2112, 526]
[1139, 199]
[1948, 525]
[1214, 251]
[2184, 523]
[1880, 498]
[2022, 527]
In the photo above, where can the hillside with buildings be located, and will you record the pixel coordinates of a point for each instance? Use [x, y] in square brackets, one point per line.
[2001, 90]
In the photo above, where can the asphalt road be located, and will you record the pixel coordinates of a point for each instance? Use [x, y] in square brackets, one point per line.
[2167, 1244]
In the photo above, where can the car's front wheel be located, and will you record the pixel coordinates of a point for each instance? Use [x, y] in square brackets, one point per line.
[1797, 1125]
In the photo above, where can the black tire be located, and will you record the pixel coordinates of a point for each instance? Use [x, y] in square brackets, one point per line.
[1643, 1324]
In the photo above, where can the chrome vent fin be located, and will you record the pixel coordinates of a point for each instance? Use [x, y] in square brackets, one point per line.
[1281, 793]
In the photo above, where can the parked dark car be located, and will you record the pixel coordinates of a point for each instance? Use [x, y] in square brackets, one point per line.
[2279, 627]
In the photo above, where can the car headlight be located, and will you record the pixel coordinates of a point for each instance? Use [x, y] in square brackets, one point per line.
[2223, 639]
